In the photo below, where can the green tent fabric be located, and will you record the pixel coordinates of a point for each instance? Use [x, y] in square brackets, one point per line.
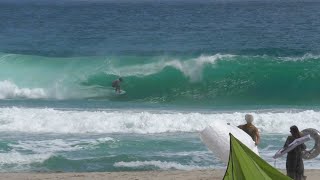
[244, 164]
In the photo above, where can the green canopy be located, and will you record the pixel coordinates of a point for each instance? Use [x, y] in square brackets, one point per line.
[244, 164]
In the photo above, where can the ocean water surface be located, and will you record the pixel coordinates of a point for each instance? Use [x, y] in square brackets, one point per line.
[185, 65]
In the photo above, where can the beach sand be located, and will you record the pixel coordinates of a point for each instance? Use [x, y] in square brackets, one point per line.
[140, 175]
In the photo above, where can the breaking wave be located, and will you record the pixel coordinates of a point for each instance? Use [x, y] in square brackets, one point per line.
[68, 121]
[205, 79]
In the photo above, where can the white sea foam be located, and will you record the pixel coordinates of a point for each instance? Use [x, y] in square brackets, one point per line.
[25, 152]
[18, 158]
[57, 145]
[10, 90]
[307, 56]
[46, 146]
[69, 121]
[164, 165]
[17, 161]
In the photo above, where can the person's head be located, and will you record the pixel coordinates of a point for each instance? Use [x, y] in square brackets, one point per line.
[248, 118]
[120, 79]
[295, 131]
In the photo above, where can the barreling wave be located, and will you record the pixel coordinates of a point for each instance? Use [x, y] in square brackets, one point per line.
[205, 79]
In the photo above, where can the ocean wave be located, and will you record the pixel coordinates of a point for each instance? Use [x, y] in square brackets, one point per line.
[163, 165]
[19, 159]
[307, 56]
[9, 90]
[56, 145]
[205, 79]
[67, 121]
[191, 68]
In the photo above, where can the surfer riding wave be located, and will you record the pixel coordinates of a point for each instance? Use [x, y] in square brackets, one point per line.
[116, 84]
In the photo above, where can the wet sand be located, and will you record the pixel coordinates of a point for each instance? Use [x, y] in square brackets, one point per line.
[140, 175]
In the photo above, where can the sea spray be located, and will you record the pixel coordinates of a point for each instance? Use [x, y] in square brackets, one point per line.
[9, 90]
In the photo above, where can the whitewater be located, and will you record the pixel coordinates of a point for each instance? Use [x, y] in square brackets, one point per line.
[36, 120]
[152, 139]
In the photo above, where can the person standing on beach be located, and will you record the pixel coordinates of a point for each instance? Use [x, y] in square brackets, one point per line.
[250, 129]
[116, 84]
[294, 163]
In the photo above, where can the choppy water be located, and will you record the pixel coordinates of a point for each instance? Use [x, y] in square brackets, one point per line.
[185, 65]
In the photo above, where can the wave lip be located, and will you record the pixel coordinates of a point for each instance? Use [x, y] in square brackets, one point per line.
[191, 68]
[307, 56]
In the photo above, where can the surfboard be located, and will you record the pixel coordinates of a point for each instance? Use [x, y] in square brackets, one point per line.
[216, 138]
[291, 146]
[120, 93]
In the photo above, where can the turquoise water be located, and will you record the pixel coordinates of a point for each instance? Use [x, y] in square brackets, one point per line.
[206, 80]
[185, 65]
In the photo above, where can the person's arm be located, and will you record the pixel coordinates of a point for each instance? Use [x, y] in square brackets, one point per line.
[257, 141]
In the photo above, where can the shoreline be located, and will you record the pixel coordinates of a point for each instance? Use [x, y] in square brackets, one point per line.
[210, 174]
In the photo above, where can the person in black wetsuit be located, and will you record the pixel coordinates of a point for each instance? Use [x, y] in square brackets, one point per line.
[116, 85]
[294, 163]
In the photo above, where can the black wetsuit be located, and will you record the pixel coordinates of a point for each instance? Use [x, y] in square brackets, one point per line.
[294, 164]
[116, 84]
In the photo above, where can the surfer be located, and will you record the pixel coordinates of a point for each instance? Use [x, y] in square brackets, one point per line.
[250, 129]
[294, 163]
[116, 84]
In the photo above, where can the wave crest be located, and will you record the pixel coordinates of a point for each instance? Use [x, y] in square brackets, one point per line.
[191, 68]
[10, 90]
